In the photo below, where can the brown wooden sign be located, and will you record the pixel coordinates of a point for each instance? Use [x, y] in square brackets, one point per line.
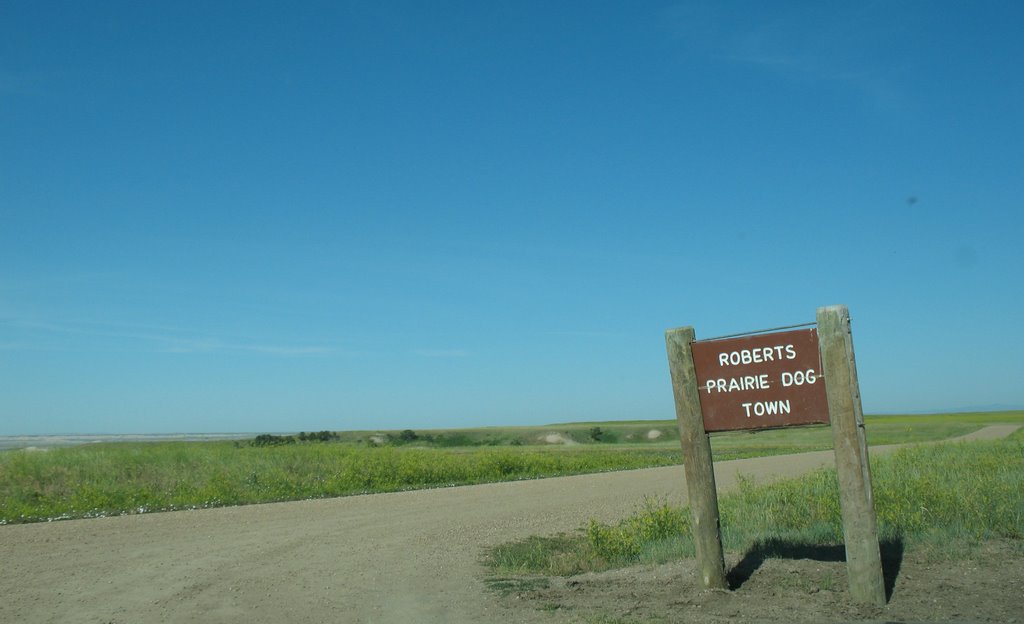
[776, 380]
[760, 381]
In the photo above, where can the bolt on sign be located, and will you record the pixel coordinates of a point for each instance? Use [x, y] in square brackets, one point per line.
[761, 381]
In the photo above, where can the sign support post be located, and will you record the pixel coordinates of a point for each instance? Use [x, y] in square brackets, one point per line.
[860, 530]
[700, 474]
[769, 379]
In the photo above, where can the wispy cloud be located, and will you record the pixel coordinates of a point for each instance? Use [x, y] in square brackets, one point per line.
[824, 45]
[441, 353]
[287, 350]
[21, 346]
[208, 346]
[158, 338]
[215, 346]
[8, 85]
[575, 333]
[19, 83]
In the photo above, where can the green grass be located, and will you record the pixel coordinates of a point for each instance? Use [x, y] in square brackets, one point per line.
[119, 478]
[108, 479]
[946, 494]
[881, 430]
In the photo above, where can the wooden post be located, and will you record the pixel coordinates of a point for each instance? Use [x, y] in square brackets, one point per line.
[860, 531]
[700, 474]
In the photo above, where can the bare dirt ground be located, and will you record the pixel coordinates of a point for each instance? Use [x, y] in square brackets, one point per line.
[415, 557]
[796, 587]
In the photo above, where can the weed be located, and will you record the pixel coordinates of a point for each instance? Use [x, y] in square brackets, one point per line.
[516, 584]
[952, 496]
[653, 524]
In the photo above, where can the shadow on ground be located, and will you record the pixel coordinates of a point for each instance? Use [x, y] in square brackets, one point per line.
[891, 550]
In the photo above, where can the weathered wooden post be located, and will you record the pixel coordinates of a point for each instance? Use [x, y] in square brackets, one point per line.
[860, 531]
[767, 379]
[700, 474]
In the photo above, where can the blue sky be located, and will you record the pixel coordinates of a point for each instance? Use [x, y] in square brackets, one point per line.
[304, 216]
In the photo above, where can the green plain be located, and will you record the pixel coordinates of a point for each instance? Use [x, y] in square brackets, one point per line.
[124, 478]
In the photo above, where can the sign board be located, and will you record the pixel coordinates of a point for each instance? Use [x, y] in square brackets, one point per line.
[776, 379]
[761, 381]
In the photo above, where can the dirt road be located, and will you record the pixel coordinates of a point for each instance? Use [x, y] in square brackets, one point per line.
[404, 557]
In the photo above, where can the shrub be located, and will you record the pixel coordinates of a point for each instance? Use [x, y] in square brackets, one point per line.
[655, 522]
[267, 439]
[320, 436]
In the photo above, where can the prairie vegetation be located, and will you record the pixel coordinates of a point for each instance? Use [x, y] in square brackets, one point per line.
[950, 495]
[124, 478]
[110, 479]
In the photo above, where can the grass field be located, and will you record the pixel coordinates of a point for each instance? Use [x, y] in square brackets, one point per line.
[123, 478]
[946, 497]
[108, 479]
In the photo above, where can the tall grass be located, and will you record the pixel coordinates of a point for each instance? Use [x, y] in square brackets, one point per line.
[108, 479]
[946, 493]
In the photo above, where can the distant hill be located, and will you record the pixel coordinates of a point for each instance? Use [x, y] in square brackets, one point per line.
[991, 407]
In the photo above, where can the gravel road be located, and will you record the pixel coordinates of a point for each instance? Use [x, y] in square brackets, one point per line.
[403, 557]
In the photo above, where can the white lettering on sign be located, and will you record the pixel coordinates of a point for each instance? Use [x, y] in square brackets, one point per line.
[760, 381]
[799, 378]
[762, 408]
[757, 356]
[748, 382]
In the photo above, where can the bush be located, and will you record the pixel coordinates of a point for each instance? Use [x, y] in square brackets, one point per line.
[407, 436]
[453, 439]
[267, 439]
[655, 522]
[320, 436]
